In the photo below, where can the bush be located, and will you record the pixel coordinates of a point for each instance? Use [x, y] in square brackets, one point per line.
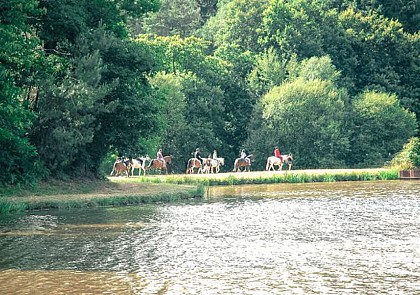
[409, 157]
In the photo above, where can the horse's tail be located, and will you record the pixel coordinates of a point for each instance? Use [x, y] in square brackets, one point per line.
[268, 164]
[235, 164]
[113, 169]
[150, 164]
[188, 166]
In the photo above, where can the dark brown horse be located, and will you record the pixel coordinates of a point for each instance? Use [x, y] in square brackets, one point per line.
[240, 162]
[158, 164]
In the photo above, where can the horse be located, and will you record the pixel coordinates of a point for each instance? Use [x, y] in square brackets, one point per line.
[121, 166]
[191, 164]
[274, 161]
[139, 163]
[195, 163]
[157, 164]
[289, 161]
[215, 163]
[206, 166]
[243, 162]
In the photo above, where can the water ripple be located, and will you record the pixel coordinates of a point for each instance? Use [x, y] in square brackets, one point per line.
[342, 238]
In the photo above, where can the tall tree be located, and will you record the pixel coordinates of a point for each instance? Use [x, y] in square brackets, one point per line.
[97, 80]
[236, 22]
[306, 116]
[175, 17]
[382, 126]
[18, 59]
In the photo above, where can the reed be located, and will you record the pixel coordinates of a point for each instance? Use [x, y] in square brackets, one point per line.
[288, 177]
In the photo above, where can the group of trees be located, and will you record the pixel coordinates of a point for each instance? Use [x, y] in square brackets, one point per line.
[336, 83]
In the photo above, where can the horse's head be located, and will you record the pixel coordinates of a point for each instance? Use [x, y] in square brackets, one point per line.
[168, 159]
[221, 160]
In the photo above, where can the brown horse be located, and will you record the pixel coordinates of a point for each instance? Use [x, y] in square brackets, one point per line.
[120, 167]
[240, 162]
[158, 164]
[192, 164]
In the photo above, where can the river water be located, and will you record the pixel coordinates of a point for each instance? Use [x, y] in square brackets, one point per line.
[321, 238]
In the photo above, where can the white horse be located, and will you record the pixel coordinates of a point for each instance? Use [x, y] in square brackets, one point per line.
[274, 161]
[139, 163]
[215, 164]
[206, 167]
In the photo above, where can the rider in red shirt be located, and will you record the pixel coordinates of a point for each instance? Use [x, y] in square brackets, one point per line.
[277, 153]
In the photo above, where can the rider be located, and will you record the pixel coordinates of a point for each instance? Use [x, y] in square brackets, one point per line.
[243, 156]
[277, 153]
[197, 155]
[214, 155]
[159, 156]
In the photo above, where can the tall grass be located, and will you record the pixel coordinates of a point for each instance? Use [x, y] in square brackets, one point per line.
[288, 177]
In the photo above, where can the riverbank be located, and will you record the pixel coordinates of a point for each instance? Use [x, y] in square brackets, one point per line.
[82, 194]
[267, 177]
[119, 191]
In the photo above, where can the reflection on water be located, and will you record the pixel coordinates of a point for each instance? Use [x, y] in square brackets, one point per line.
[340, 238]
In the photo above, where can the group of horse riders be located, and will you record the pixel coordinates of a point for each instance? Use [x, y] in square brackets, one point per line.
[204, 165]
[124, 164]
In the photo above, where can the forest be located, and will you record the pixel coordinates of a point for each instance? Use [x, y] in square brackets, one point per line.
[334, 82]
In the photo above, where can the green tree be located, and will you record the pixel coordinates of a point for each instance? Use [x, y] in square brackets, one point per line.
[309, 116]
[218, 104]
[175, 17]
[305, 115]
[382, 126]
[67, 113]
[175, 137]
[89, 99]
[268, 72]
[18, 58]
[409, 156]
[236, 22]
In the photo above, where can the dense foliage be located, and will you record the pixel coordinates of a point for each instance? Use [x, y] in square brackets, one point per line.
[334, 82]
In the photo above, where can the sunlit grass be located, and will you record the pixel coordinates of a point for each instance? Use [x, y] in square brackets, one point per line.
[267, 178]
[104, 193]
[161, 188]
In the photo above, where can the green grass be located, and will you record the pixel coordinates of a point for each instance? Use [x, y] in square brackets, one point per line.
[83, 194]
[150, 189]
[288, 177]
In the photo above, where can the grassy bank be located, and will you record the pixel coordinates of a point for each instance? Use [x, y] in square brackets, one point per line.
[81, 194]
[263, 177]
[161, 188]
